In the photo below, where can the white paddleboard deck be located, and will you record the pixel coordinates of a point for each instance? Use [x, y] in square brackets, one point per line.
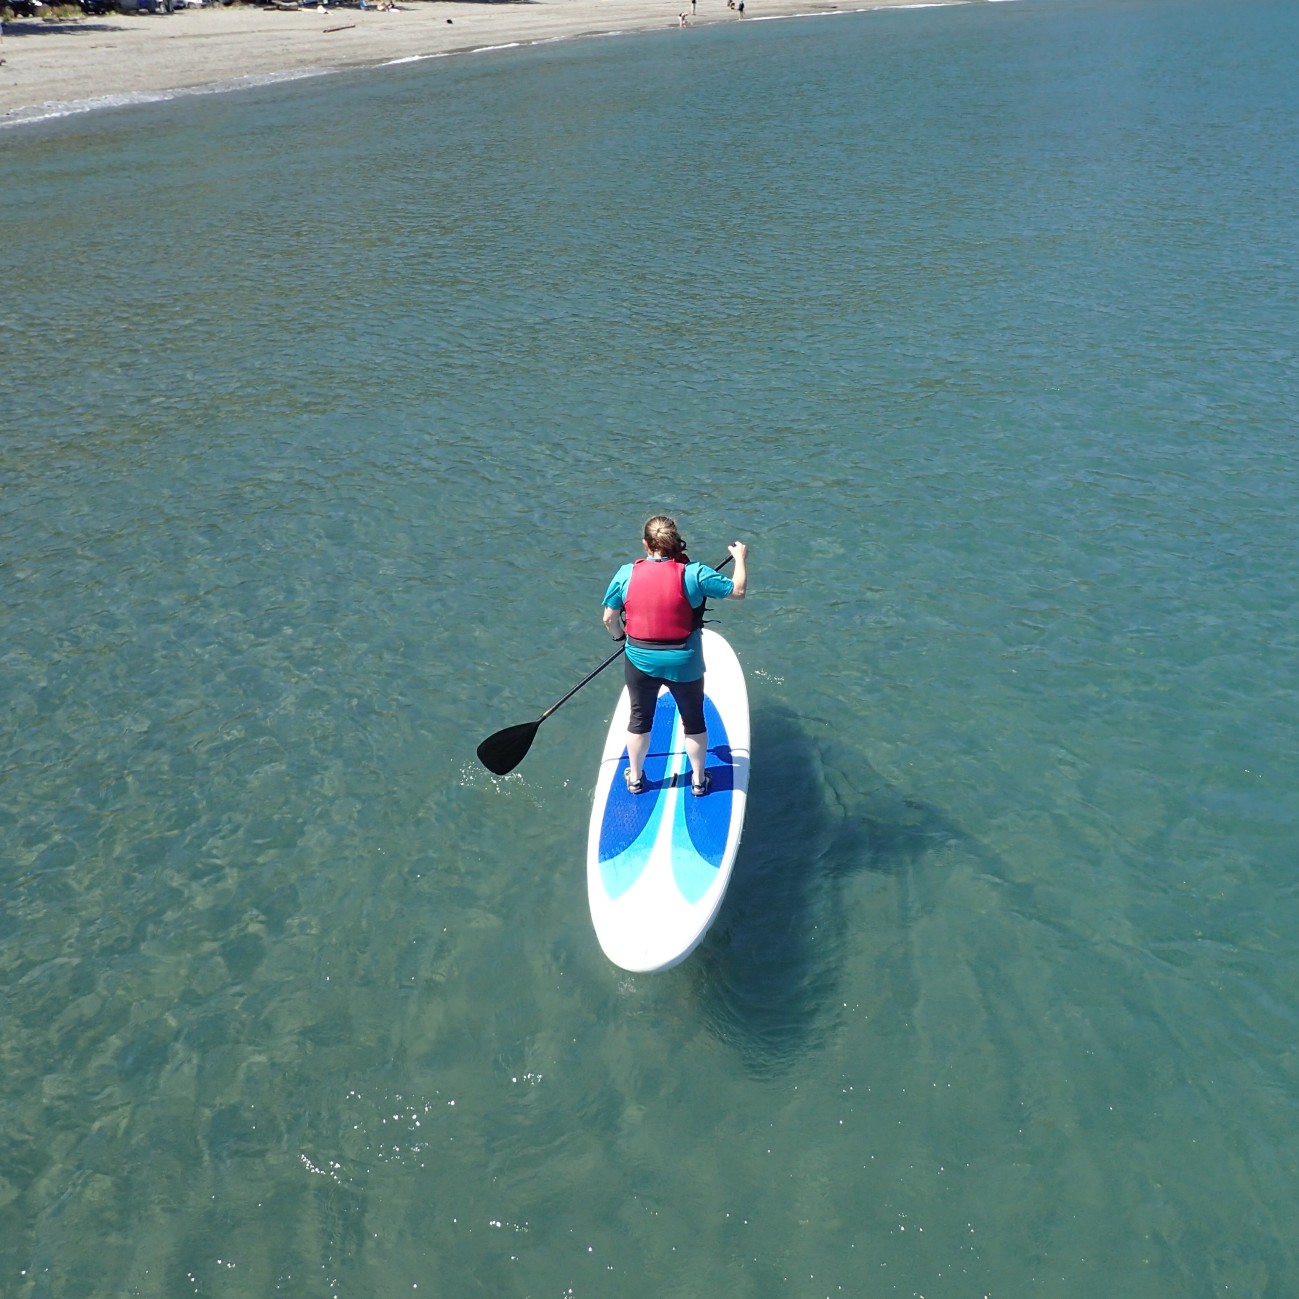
[658, 862]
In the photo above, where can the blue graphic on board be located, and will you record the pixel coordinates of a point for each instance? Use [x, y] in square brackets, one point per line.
[703, 824]
[632, 822]
[626, 816]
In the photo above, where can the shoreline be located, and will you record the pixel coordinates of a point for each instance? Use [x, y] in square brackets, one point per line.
[56, 69]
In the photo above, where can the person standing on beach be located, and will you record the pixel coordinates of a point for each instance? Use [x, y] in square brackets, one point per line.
[660, 599]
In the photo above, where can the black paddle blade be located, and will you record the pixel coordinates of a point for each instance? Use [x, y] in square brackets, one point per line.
[502, 752]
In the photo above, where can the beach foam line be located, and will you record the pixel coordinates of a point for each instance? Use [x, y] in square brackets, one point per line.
[864, 9]
[52, 110]
[487, 49]
[415, 58]
[818, 13]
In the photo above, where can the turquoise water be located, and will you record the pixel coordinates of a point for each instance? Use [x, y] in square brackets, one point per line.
[328, 410]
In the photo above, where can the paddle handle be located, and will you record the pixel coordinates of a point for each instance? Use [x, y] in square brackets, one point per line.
[618, 653]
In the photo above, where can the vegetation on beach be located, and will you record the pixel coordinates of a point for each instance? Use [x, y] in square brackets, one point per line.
[51, 13]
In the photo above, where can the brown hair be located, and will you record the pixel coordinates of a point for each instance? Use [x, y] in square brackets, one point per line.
[662, 537]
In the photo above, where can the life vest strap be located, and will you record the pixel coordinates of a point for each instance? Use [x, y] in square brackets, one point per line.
[636, 643]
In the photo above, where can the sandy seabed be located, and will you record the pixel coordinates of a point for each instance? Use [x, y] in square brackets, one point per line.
[50, 68]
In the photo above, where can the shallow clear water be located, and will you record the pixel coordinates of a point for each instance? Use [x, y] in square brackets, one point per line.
[329, 408]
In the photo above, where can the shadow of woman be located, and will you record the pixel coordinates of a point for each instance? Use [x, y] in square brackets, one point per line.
[818, 814]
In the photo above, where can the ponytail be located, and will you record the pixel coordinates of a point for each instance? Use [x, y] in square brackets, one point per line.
[662, 537]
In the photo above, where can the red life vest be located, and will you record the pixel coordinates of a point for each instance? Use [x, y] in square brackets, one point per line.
[657, 608]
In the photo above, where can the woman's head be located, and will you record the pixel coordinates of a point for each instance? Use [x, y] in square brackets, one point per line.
[662, 537]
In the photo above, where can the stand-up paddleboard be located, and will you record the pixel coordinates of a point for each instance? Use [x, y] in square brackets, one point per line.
[658, 862]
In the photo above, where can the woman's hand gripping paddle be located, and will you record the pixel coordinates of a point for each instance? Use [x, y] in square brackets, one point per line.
[502, 752]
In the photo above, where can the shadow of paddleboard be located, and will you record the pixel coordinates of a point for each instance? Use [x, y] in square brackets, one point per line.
[819, 815]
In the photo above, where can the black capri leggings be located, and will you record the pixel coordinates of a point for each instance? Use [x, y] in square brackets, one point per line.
[644, 692]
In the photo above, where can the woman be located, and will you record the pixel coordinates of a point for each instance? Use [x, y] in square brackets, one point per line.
[661, 598]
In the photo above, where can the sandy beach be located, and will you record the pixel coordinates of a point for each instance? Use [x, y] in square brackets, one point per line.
[50, 66]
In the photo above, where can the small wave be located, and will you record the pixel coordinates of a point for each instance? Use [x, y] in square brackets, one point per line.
[54, 109]
[263, 79]
[67, 108]
[414, 58]
[863, 9]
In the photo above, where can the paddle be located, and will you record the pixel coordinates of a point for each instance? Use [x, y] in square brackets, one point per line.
[502, 752]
